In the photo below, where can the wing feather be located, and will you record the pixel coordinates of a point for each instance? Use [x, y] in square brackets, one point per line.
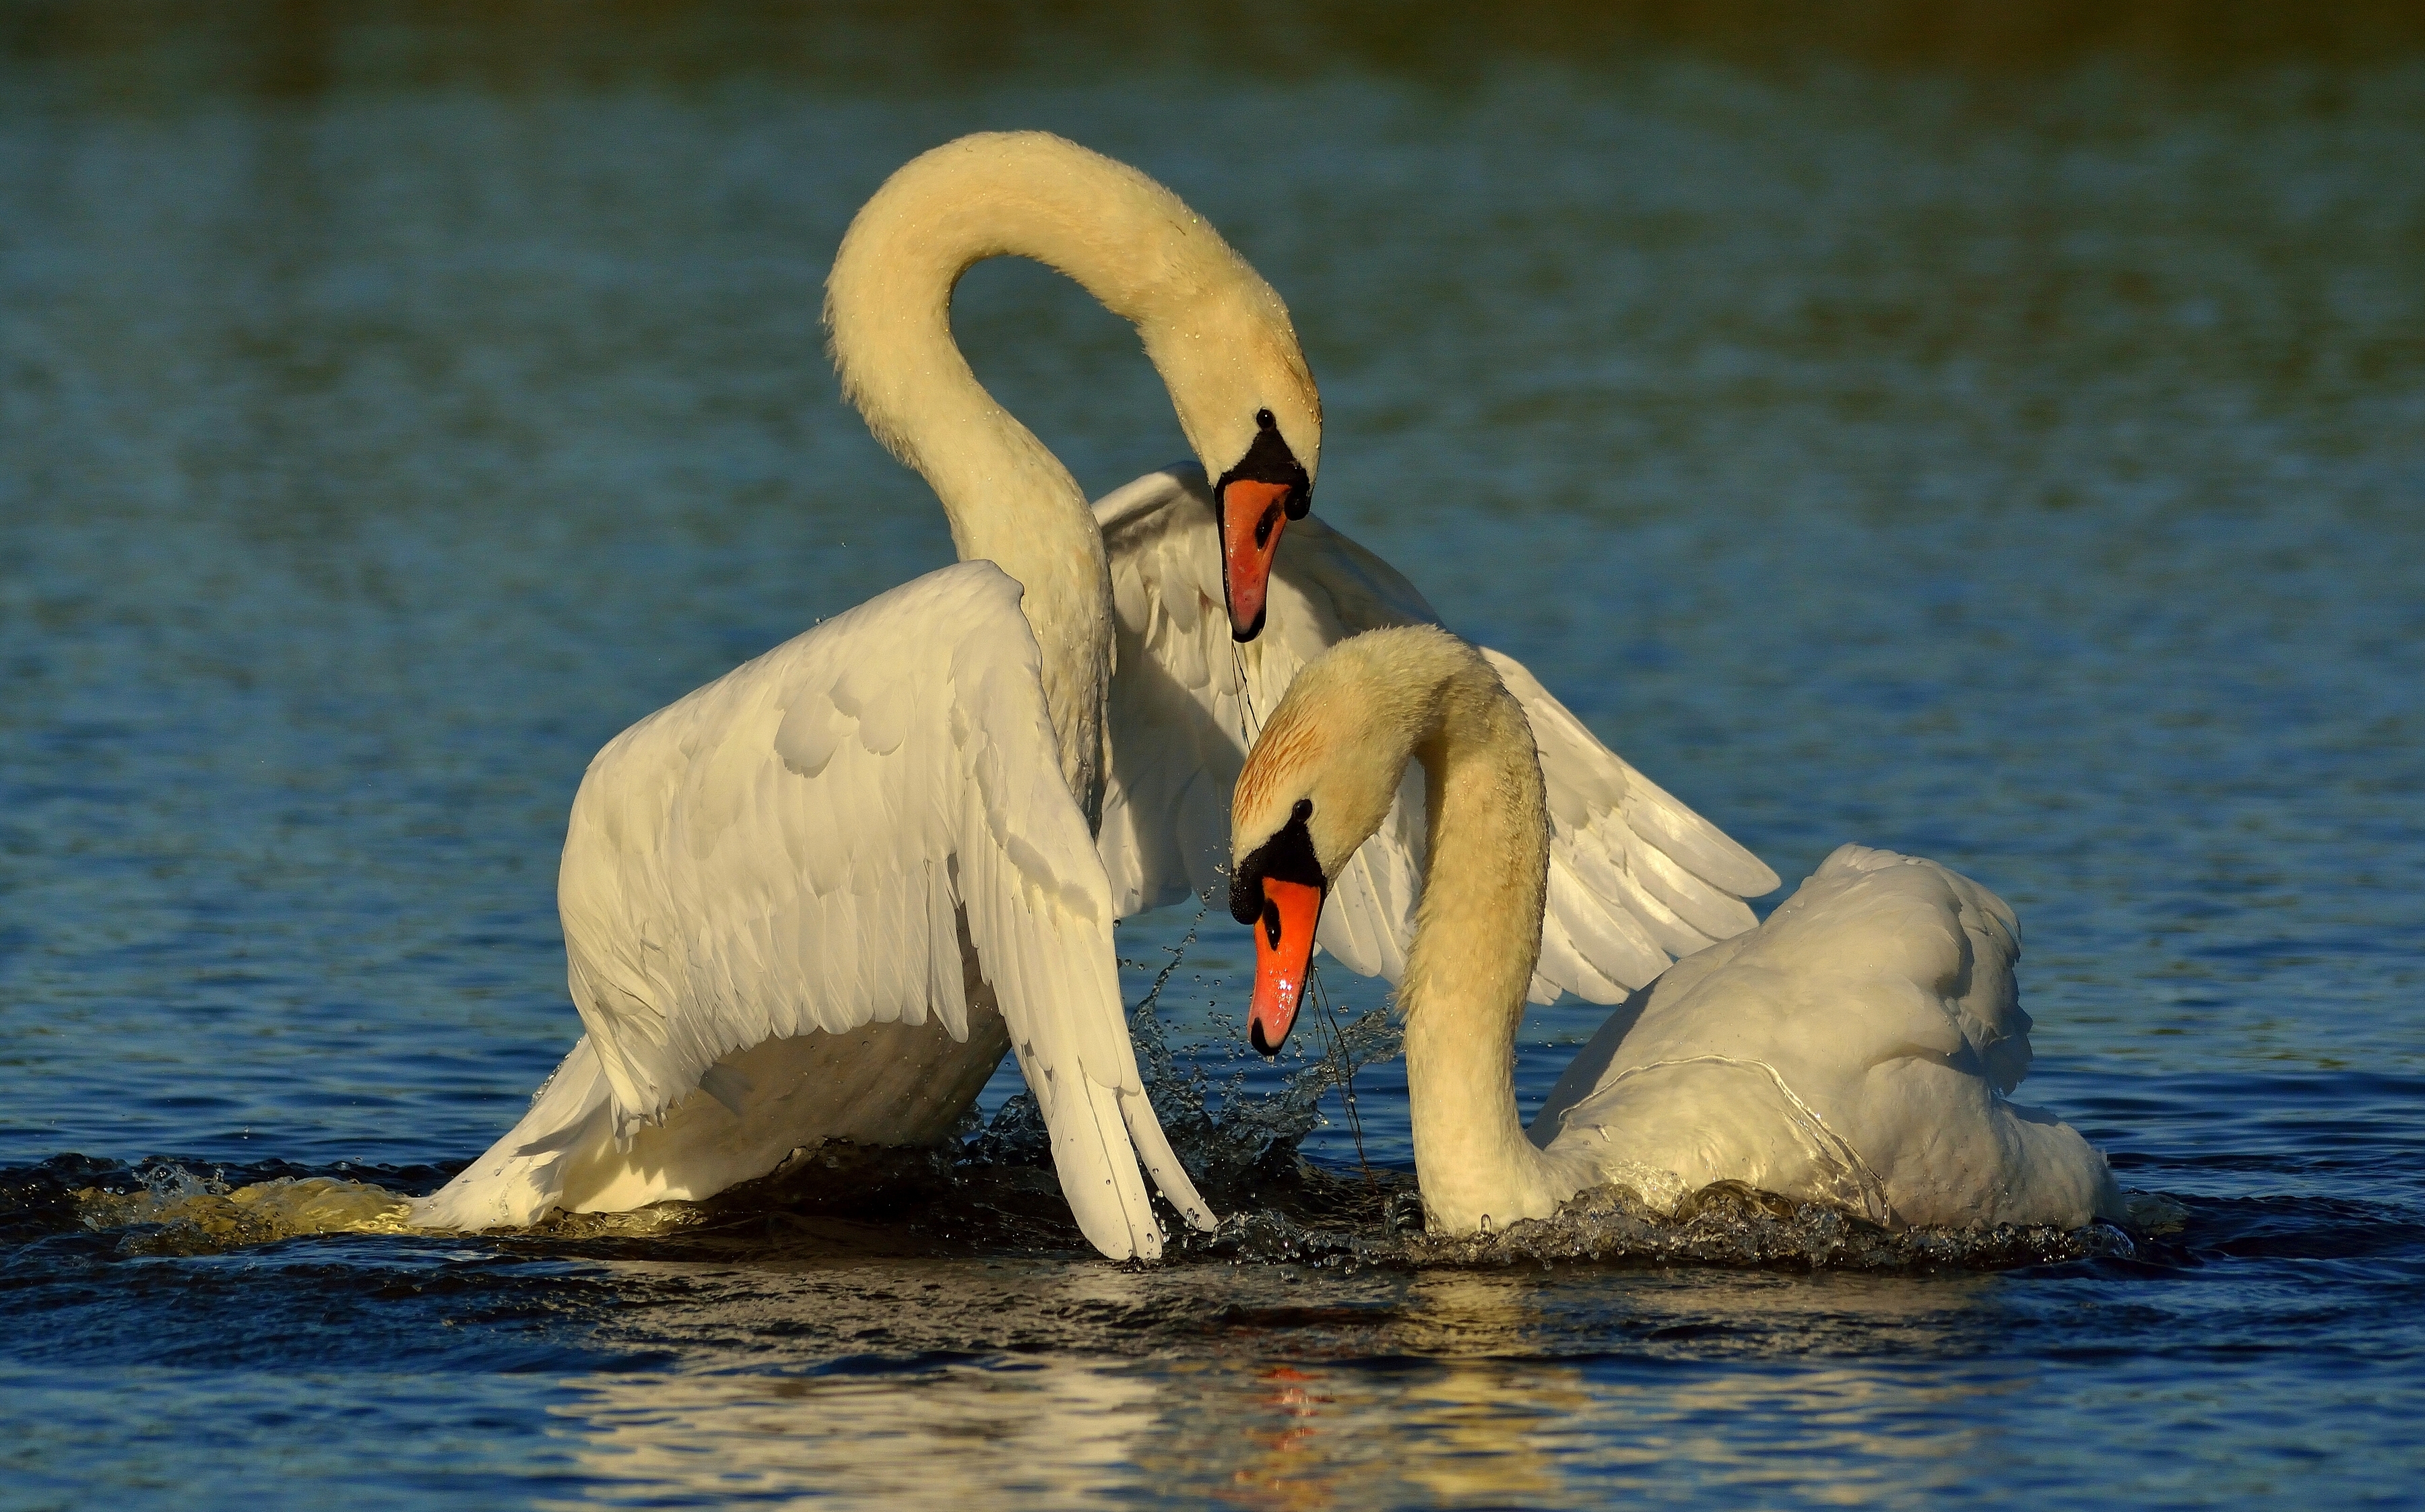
[1635, 875]
[799, 844]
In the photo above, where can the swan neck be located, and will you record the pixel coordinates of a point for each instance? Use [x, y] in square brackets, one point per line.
[1477, 940]
[1008, 498]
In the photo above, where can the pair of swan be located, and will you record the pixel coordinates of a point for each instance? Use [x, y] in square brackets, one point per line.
[820, 897]
[1854, 1049]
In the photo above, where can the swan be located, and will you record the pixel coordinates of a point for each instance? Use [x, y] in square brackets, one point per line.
[1854, 1049]
[820, 897]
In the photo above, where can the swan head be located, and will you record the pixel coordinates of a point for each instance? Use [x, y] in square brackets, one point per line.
[1318, 784]
[1254, 501]
[1247, 403]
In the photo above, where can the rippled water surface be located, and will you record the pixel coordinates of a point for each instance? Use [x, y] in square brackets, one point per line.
[2019, 462]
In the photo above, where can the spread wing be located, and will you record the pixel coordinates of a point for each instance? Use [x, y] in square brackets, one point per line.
[1635, 876]
[802, 843]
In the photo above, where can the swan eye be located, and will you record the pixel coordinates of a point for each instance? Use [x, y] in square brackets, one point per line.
[1271, 922]
[1263, 421]
[1303, 810]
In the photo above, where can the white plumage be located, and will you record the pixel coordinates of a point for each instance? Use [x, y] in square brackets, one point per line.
[1635, 876]
[1855, 1049]
[817, 898]
[832, 838]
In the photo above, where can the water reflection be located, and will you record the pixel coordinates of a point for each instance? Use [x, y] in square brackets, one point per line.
[1043, 1434]
[1060, 1432]
[1280, 1388]
[1455, 1314]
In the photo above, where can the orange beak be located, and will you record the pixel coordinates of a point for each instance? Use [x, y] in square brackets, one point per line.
[1252, 516]
[1283, 955]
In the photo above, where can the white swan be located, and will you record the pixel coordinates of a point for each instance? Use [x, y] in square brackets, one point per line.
[820, 896]
[1854, 1049]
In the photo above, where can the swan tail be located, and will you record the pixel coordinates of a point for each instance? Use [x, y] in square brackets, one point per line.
[520, 1177]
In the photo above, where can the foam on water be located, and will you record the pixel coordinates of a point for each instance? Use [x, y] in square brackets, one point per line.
[188, 1213]
[1279, 1209]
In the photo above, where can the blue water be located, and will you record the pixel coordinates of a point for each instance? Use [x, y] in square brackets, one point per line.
[2015, 460]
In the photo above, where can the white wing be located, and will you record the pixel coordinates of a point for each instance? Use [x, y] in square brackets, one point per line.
[798, 845]
[1634, 876]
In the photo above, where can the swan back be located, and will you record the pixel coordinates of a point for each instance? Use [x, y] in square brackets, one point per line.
[1857, 1046]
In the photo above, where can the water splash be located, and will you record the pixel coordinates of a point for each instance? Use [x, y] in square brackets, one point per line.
[993, 1191]
[1296, 1212]
[1225, 1133]
[176, 1210]
[1726, 1224]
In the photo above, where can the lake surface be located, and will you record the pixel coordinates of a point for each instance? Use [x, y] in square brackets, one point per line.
[2016, 461]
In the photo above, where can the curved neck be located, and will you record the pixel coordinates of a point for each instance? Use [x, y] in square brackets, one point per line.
[1477, 939]
[1134, 246]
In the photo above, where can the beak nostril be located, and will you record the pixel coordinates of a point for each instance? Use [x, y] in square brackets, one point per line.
[1272, 924]
[1263, 527]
